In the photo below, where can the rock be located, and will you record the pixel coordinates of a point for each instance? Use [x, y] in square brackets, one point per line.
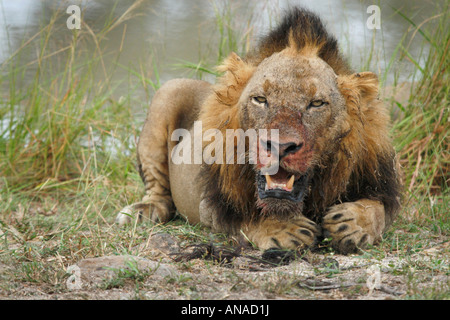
[97, 269]
[164, 242]
[3, 268]
[329, 264]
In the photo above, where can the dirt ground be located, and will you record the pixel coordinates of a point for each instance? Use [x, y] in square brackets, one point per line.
[166, 270]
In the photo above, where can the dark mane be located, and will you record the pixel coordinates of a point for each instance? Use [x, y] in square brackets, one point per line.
[307, 29]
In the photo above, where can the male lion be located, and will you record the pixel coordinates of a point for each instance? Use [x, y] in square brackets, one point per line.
[337, 174]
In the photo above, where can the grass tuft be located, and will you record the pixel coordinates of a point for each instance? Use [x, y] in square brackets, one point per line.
[422, 132]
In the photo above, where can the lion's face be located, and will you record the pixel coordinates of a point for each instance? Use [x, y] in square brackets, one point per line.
[299, 96]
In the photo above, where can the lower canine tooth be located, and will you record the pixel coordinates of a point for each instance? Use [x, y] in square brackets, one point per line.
[269, 181]
[290, 183]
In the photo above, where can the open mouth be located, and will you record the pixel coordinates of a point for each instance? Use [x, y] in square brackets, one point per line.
[283, 185]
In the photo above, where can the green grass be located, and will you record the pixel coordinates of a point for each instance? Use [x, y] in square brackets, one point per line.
[421, 134]
[67, 158]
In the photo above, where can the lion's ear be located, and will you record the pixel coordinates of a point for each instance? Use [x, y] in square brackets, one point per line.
[231, 63]
[361, 85]
[237, 72]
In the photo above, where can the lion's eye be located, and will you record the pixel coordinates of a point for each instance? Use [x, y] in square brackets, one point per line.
[316, 103]
[260, 100]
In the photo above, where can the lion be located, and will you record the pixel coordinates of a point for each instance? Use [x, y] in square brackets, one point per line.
[337, 176]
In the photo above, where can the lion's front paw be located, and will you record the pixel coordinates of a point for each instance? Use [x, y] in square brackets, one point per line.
[341, 224]
[293, 234]
[142, 211]
[131, 213]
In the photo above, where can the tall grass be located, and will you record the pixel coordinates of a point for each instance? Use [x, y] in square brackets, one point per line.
[233, 32]
[58, 121]
[422, 135]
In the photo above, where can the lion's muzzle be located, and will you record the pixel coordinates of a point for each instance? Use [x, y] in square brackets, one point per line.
[282, 149]
[290, 181]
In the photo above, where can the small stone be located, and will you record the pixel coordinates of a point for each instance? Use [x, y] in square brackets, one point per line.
[164, 242]
[329, 264]
[97, 269]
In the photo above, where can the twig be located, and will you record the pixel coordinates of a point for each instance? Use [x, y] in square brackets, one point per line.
[389, 290]
[326, 287]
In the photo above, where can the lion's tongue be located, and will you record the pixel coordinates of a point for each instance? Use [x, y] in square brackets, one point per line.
[285, 184]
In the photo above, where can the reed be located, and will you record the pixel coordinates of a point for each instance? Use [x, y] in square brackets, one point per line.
[422, 131]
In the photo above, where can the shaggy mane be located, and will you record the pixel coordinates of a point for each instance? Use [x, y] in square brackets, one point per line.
[303, 29]
[362, 167]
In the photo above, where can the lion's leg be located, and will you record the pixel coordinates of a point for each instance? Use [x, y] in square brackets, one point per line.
[152, 156]
[291, 234]
[353, 225]
[156, 204]
[175, 105]
[155, 174]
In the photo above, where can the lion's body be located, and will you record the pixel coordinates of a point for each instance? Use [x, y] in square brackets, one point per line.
[176, 105]
[337, 170]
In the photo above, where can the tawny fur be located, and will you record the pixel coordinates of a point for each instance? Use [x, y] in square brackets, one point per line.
[354, 189]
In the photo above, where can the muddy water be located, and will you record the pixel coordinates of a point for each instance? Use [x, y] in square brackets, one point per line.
[160, 34]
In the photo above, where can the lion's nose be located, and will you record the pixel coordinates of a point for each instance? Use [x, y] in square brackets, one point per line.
[282, 149]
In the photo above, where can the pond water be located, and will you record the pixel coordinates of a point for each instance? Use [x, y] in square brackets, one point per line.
[158, 35]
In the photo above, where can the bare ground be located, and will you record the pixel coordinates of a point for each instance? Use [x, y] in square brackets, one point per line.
[167, 268]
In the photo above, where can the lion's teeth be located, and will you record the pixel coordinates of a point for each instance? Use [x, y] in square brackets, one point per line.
[270, 184]
[290, 183]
